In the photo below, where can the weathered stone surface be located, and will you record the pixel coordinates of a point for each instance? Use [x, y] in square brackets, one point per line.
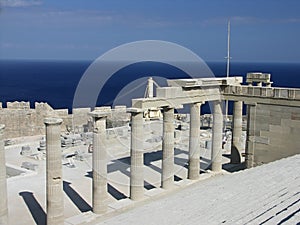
[167, 181]
[137, 157]
[237, 132]
[275, 136]
[216, 154]
[54, 182]
[267, 193]
[21, 120]
[194, 142]
[99, 194]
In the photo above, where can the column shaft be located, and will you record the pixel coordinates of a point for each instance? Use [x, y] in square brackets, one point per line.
[250, 144]
[137, 157]
[3, 184]
[236, 132]
[194, 142]
[99, 193]
[168, 149]
[55, 196]
[216, 154]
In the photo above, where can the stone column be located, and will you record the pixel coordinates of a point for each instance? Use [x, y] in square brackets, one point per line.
[137, 155]
[99, 163]
[3, 185]
[150, 87]
[55, 196]
[216, 154]
[194, 142]
[250, 144]
[167, 181]
[236, 132]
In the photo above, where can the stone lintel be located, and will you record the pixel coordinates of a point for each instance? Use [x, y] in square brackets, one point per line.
[205, 82]
[99, 114]
[262, 100]
[168, 92]
[175, 102]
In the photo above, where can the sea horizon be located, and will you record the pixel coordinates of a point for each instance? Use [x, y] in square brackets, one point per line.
[55, 81]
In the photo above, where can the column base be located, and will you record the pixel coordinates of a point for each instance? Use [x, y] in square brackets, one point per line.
[216, 167]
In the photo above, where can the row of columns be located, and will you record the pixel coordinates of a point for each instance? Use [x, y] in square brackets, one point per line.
[100, 194]
[216, 158]
[55, 203]
[167, 178]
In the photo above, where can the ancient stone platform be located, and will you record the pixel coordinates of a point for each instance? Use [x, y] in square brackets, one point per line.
[268, 194]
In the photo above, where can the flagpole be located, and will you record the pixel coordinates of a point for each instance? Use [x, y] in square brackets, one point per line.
[227, 68]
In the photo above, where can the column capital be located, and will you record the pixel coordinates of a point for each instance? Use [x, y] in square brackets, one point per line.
[135, 110]
[198, 103]
[53, 121]
[97, 114]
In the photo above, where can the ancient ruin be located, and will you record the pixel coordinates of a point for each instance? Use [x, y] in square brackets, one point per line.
[272, 132]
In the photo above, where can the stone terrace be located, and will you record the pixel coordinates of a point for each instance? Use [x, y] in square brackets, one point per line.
[268, 194]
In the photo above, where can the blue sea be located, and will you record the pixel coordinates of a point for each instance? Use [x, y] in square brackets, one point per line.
[55, 82]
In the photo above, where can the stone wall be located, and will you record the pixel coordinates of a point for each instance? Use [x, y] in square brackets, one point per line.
[21, 120]
[277, 132]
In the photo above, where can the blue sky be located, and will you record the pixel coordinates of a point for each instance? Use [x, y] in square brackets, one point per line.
[262, 31]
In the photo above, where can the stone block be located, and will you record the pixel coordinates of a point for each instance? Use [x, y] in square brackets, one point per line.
[29, 166]
[262, 127]
[262, 140]
[295, 130]
[120, 108]
[26, 150]
[274, 121]
[275, 129]
[168, 92]
[295, 115]
[291, 123]
[18, 105]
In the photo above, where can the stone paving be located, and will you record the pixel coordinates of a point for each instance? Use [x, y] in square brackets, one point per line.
[27, 192]
[268, 194]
